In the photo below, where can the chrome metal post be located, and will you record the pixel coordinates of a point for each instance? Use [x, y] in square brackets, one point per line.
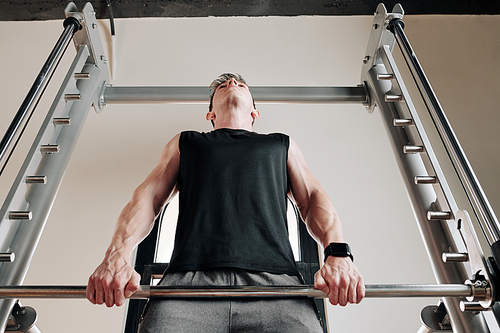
[22, 236]
[27, 206]
[437, 238]
[484, 212]
[41, 80]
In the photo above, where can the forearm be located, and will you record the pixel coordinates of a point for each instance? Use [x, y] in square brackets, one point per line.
[322, 219]
[134, 223]
[115, 278]
[338, 277]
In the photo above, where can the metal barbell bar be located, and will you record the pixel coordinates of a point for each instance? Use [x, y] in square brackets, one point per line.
[372, 291]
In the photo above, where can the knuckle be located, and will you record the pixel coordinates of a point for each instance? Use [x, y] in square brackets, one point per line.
[106, 282]
[115, 285]
[344, 282]
[99, 278]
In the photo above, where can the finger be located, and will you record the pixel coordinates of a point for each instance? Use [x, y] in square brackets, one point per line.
[333, 296]
[343, 284]
[90, 291]
[343, 297]
[119, 297]
[360, 290]
[320, 283]
[352, 292]
[133, 284]
[109, 294]
[99, 293]
[333, 285]
[117, 287]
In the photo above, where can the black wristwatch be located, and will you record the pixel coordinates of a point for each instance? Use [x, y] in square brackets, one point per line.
[338, 250]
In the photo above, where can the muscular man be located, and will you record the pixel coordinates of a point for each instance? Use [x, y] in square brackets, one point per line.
[233, 185]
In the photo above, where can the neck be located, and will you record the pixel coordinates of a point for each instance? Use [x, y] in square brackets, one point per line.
[234, 119]
[232, 125]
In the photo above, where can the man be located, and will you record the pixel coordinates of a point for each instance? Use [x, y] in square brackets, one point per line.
[231, 230]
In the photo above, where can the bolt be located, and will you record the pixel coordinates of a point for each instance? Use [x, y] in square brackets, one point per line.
[365, 60]
[94, 25]
[375, 26]
[103, 59]
[478, 284]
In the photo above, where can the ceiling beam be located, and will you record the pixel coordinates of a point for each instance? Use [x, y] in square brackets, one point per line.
[27, 10]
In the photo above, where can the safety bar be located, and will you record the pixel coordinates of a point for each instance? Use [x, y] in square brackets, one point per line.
[71, 25]
[196, 94]
[484, 212]
[372, 291]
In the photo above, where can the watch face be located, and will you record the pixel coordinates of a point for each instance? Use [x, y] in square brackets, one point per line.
[338, 250]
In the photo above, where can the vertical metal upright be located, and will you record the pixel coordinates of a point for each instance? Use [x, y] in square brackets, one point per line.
[30, 199]
[446, 229]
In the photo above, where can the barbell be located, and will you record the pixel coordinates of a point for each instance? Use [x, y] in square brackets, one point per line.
[476, 291]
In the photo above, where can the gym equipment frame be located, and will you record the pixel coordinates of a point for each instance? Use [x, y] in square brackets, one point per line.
[460, 268]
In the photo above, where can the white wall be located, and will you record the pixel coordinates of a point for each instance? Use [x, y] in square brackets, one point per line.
[345, 146]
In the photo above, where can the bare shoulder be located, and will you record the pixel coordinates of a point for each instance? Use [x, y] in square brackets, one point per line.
[301, 178]
[295, 155]
[174, 142]
[171, 149]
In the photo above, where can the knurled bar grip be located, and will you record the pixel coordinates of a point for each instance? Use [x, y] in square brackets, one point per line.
[372, 291]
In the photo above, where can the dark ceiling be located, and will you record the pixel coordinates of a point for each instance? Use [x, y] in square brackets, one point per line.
[27, 10]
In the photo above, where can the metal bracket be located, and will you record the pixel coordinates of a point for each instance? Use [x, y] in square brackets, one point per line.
[23, 319]
[379, 36]
[99, 102]
[89, 36]
[435, 318]
[481, 274]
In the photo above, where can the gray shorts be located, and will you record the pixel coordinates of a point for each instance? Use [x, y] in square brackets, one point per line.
[230, 314]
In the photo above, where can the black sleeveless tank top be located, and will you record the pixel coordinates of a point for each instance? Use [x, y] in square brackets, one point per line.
[232, 202]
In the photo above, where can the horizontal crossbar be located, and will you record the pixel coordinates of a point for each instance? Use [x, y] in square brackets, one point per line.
[194, 94]
[372, 291]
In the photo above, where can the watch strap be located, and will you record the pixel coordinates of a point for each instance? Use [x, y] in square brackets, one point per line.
[338, 250]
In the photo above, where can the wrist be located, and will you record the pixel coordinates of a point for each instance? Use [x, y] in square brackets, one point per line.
[114, 253]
